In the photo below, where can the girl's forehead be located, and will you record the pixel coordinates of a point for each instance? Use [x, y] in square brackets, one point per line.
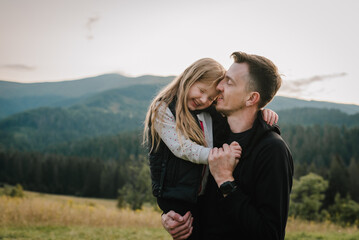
[207, 85]
[211, 89]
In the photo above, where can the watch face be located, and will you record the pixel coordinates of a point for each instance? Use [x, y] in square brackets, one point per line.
[228, 187]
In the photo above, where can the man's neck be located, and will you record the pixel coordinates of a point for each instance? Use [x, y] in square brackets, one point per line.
[242, 120]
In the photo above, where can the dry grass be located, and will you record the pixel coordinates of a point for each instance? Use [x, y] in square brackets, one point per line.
[55, 210]
[296, 225]
[39, 216]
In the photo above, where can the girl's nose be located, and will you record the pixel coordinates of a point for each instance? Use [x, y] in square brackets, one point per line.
[204, 99]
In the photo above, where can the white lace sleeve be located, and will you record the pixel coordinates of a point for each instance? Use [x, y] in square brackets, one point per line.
[165, 125]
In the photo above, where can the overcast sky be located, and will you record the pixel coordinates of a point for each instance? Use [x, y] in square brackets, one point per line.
[314, 43]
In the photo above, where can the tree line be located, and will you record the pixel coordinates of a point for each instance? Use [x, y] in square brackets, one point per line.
[76, 176]
[117, 166]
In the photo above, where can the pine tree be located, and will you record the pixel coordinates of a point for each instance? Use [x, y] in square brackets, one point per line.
[338, 180]
[353, 171]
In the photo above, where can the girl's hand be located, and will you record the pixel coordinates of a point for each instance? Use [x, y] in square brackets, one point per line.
[236, 149]
[269, 116]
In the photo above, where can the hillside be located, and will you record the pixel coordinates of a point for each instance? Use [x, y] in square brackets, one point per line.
[75, 88]
[114, 112]
[317, 116]
[19, 97]
[83, 109]
[285, 103]
[107, 113]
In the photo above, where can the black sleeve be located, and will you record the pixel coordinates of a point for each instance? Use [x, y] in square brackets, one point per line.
[264, 215]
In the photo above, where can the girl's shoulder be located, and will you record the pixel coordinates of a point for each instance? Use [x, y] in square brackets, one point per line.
[162, 107]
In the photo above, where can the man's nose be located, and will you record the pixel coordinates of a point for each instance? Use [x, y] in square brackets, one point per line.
[220, 85]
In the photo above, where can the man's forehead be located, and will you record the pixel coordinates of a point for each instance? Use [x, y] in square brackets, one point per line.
[237, 70]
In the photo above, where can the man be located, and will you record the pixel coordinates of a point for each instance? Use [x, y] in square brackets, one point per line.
[249, 199]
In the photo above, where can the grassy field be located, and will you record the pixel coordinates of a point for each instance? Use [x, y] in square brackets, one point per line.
[44, 216]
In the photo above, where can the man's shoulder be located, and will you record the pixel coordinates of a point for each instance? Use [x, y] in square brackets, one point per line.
[272, 137]
[272, 152]
[272, 141]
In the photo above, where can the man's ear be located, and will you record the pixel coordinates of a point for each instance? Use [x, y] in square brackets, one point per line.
[253, 99]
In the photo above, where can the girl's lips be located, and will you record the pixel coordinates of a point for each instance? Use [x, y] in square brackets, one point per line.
[194, 104]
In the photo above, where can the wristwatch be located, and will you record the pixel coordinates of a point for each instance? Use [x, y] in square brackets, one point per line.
[228, 187]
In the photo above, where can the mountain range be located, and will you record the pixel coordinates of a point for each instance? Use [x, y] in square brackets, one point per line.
[18, 97]
[37, 116]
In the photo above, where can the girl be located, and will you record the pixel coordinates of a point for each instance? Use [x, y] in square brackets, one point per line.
[179, 129]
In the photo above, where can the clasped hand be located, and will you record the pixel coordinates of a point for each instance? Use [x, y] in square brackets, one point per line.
[222, 162]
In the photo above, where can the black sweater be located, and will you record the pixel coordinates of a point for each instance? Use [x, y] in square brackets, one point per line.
[259, 208]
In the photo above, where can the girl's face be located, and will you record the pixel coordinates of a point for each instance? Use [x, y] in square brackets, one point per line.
[201, 96]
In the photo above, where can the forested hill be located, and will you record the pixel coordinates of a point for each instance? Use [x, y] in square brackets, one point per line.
[285, 103]
[75, 88]
[317, 116]
[123, 109]
[20, 97]
[113, 113]
[107, 113]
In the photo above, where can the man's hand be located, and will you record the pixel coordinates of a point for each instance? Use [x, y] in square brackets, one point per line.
[269, 116]
[222, 163]
[179, 227]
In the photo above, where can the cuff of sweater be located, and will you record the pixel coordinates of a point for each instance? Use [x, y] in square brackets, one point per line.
[203, 155]
[228, 203]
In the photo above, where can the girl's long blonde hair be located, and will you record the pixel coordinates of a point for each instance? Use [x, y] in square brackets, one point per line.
[205, 70]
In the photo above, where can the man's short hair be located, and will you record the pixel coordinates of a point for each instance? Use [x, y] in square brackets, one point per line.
[264, 77]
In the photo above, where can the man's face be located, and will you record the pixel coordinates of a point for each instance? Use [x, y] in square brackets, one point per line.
[233, 89]
[201, 96]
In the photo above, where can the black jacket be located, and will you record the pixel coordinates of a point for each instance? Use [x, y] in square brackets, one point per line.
[258, 209]
[175, 178]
